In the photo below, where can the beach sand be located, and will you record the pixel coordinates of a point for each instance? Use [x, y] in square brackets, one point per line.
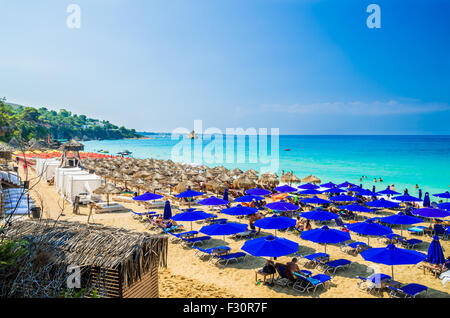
[188, 276]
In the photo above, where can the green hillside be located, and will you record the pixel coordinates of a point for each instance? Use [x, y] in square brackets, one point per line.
[29, 122]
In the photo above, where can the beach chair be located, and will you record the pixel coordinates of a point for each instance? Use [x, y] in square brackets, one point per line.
[407, 291]
[332, 266]
[411, 243]
[195, 240]
[305, 283]
[210, 252]
[373, 282]
[340, 223]
[316, 259]
[225, 259]
[283, 279]
[440, 230]
[391, 238]
[355, 248]
[247, 234]
[177, 237]
[419, 230]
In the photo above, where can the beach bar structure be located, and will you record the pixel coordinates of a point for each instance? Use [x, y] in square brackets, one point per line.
[71, 153]
[113, 263]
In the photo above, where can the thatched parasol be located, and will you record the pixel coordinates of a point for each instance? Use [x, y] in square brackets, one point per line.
[107, 189]
[311, 179]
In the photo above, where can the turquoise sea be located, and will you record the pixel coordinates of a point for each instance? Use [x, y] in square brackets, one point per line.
[400, 160]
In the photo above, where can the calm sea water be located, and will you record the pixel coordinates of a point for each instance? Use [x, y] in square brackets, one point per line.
[400, 160]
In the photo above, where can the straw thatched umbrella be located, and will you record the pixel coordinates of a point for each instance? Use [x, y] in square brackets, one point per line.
[107, 189]
[311, 179]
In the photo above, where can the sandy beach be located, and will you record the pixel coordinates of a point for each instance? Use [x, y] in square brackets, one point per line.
[189, 276]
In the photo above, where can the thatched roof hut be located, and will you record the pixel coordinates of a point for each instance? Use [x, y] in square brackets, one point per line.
[72, 145]
[311, 179]
[113, 262]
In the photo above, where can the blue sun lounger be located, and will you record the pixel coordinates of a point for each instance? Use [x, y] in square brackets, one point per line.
[195, 240]
[313, 259]
[333, 266]
[407, 291]
[304, 283]
[411, 243]
[210, 252]
[225, 259]
[180, 236]
[355, 247]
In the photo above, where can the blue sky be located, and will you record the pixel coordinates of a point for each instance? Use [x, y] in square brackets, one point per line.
[305, 66]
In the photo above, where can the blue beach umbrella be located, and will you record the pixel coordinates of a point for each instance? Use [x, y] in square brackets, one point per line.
[383, 204]
[431, 213]
[328, 185]
[189, 194]
[275, 223]
[435, 253]
[258, 191]
[325, 235]
[343, 198]
[334, 191]
[444, 206]
[355, 208]
[282, 206]
[167, 215]
[406, 198]
[388, 192]
[426, 200]
[355, 189]
[240, 210]
[285, 188]
[148, 196]
[369, 228]
[248, 198]
[270, 246]
[392, 255]
[223, 228]
[445, 195]
[319, 215]
[346, 184]
[401, 219]
[308, 186]
[192, 216]
[309, 192]
[367, 193]
[213, 201]
[225, 195]
[315, 200]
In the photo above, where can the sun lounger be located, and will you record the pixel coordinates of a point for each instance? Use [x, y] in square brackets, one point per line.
[373, 282]
[407, 291]
[213, 221]
[156, 204]
[246, 234]
[225, 259]
[179, 236]
[417, 229]
[355, 248]
[111, 208]
[333, 266]
[305, 283]
[210, 252]
[195, 240]
[315, 259]
[411, 243]
[283, 279]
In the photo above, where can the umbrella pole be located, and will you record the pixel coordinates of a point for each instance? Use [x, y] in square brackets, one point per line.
[325, 248]
[392, 271]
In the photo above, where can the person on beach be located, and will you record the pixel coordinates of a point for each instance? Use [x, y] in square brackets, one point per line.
[417, 186]
[291, 268]
[381, 180]
[269, 268]
[299, 224]
[251, 221]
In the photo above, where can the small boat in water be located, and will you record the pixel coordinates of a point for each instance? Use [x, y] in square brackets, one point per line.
[102, 151]
[124, 153]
